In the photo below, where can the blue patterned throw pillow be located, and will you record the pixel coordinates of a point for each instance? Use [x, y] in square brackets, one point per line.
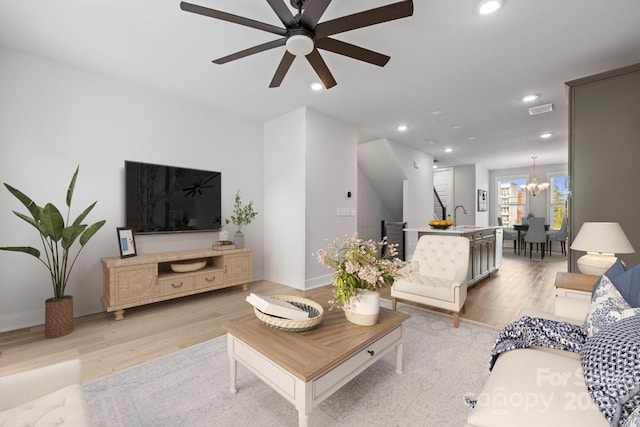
[616, 269]
[611, 369]
[607, 306]
[628, 284]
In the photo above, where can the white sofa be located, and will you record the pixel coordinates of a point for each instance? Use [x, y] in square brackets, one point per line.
[536, 387]
[49, 396]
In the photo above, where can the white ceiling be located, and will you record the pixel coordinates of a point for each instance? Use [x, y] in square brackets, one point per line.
[444, 58]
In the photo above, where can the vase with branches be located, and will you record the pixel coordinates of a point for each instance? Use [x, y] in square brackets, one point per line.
[242, 215]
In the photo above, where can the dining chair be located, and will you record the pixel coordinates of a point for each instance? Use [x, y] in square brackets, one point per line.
[524, 221]
[559, 235]
[536, 234]
[509, 234]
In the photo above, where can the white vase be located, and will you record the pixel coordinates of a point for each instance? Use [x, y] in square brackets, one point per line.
[364, 308]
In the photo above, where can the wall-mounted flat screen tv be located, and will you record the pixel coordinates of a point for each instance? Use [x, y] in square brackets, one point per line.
[169, 199]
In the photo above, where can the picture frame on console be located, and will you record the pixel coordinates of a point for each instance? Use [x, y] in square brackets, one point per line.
[126, 242]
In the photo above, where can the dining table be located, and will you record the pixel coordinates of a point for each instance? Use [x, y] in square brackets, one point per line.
[524, 227]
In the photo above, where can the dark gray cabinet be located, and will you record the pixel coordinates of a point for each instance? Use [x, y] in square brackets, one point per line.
[604, 154]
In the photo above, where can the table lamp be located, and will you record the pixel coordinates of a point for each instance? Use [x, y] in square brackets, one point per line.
[601, 241]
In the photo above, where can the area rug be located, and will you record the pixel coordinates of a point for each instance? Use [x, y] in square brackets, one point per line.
[191, 387]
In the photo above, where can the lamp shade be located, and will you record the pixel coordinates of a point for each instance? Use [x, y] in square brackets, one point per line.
[601, 241]
[606, 237]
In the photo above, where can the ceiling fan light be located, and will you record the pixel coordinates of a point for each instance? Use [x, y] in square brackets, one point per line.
[487, 7]
[299, 45]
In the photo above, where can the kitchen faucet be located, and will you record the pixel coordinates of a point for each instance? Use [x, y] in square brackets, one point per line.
[455, 214]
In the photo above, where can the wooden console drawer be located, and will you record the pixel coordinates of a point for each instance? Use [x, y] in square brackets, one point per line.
[135, 283]
[175, 285]
[210, 279]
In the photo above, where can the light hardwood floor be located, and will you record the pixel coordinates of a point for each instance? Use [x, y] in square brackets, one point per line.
[106, 346]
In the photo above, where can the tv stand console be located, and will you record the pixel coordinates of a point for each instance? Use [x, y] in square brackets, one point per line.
[148, 278]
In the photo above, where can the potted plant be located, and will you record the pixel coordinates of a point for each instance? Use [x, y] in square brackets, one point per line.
[58, 240]
[362, 268]
[242, 215]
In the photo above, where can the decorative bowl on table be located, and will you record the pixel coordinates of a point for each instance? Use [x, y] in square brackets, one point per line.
[440, 224]
[440, 227]
[315, 310]
[185, 267]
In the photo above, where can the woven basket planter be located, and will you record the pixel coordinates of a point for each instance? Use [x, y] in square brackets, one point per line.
[58, 317]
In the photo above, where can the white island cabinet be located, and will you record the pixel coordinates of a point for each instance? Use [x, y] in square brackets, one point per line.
[485, 247]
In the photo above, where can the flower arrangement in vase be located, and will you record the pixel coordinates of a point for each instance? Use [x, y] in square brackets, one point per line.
[361, 267]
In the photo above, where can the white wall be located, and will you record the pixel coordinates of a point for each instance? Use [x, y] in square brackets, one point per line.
[310, 165]
[371, 210]
[417, 190]
[468, 179]
[332, 171]
[284, 198]
[54, 117]
[465, 194]
[418, 169]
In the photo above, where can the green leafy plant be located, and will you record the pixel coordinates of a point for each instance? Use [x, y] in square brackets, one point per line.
[57, 238]
[242, 215]
[360, 264]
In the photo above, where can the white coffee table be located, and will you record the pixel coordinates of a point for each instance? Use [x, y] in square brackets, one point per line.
[306, 368]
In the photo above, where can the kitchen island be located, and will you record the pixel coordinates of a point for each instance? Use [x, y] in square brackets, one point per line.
[485, 251]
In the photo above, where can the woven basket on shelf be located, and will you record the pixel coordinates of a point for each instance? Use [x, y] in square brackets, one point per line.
[315, 310]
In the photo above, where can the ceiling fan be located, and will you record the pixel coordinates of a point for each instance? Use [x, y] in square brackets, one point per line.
[303, 35]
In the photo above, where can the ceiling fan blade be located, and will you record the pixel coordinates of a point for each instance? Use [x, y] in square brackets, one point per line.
[283, 12]
[369, 17]
[313, 12]
[321, 69]
[352, 51]
[284, 66]
[200, 10]
[251, 51]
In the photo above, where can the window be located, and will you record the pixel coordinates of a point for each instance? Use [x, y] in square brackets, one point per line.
[512, 200]
[558, 193]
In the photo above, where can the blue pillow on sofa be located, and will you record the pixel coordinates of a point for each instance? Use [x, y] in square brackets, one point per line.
[628, 284]
[616, 269]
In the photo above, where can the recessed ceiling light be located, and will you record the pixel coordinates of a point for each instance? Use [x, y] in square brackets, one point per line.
[472, 138]
[545, 135]
[436, 113]
[448, 150]
[402, 128]
[316, 86]
[435, 166]
[530, 97]
[487, 7]
[457, 127]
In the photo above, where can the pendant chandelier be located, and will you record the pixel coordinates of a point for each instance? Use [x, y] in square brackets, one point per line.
[533, 187]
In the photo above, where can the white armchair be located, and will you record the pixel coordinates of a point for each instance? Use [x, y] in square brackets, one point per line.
[48, 396]
[439, 266]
